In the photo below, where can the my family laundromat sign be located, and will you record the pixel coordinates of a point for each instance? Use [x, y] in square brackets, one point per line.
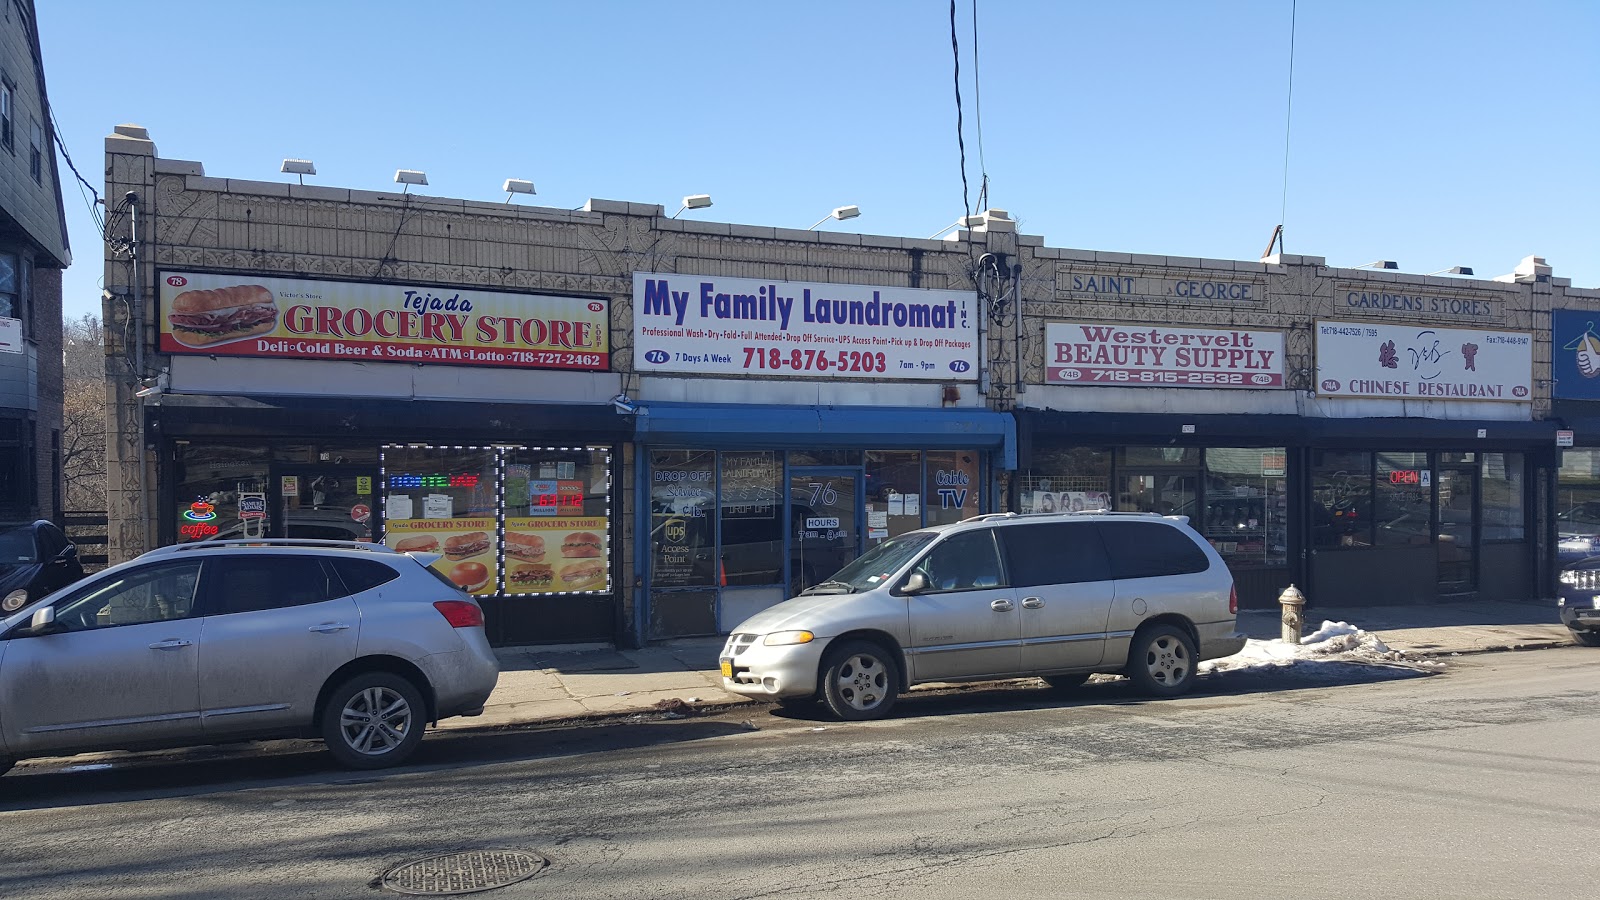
[710, 325]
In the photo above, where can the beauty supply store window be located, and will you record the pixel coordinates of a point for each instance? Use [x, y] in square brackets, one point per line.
[509, 521]
[758, 517]
[1237, 498]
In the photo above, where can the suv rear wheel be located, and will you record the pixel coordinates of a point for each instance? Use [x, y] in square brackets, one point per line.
[1162, 660]
[373, 720]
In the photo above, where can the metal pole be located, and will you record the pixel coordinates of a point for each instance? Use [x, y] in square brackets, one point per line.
[137, 311]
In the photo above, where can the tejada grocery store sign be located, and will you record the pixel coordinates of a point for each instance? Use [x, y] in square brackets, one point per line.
[1155, 356]
[1358, 359]
[247, 315]
[709, 325]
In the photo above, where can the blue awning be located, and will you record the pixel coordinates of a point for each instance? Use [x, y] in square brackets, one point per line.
[733, 425]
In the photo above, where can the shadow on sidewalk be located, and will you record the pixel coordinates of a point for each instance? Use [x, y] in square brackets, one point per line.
[1264, 623]
[681, 655]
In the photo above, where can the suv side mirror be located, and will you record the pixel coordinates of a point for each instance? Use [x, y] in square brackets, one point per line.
[916, 583]
[43, 622]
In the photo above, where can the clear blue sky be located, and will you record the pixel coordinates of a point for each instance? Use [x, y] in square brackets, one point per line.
[1431, 133]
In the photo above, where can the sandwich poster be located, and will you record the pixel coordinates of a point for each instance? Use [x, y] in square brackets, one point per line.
[547, 555]
[294, 318]
[466, 545]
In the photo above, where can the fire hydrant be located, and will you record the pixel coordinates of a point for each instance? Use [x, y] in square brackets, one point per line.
[1293, 603]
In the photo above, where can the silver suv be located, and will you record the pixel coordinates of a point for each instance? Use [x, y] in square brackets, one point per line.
[236, 640]
[1060, 596]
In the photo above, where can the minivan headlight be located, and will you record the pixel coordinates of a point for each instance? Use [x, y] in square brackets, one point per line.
[785, 638]
[14, 600]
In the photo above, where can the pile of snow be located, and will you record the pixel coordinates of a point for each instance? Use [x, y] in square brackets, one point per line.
[1338, 642]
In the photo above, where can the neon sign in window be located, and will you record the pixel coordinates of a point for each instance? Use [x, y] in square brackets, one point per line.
[405, 481]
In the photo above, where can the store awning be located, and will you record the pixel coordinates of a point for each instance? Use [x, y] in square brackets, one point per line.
[865, 427]
[456, 422]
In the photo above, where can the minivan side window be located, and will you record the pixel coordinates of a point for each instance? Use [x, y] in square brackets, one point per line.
[963, 562]
[256, 582]
[1150, 550]
[1054, 553]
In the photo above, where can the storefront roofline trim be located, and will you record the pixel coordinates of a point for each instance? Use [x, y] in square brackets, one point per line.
[454, 421]
[865, 427]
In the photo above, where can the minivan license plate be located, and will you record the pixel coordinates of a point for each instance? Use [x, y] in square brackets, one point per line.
[727, 668]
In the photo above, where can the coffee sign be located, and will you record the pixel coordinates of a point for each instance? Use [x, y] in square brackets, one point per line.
[1161, 356]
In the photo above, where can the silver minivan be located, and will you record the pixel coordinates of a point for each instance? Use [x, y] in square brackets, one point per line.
[1059, 596]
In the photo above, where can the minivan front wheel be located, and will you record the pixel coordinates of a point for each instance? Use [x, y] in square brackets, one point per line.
[1162, 660]
[860, 681]
[373, 720]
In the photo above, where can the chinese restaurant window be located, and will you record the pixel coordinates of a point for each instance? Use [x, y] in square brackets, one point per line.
[1403, 500]
[508, 520]
[1502, 489]
[1341, 500]
[683, 501]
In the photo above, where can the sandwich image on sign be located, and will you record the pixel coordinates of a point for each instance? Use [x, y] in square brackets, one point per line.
[525, 576]
[462, 546]
[222, 315]
[526, 547]
[422, 543]
[584, 574]
[582, 544]
[470, 576]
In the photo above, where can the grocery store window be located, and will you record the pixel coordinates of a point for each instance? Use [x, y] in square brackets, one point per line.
[1246, 514]
[1403, 500]
[210, 479]
[1341, 500]
[1503, 497]
[445, 500]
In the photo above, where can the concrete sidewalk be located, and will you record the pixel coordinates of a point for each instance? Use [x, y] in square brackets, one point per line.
[572, 682]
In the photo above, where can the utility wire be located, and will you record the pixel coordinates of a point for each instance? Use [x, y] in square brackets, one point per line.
[961, 142]
[94, 207]
[1288, 118]
[977, 113]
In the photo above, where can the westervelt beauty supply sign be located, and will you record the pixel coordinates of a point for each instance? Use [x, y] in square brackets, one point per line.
[710, 325]
[295, 318]
[1157, 356]
[1360, 359]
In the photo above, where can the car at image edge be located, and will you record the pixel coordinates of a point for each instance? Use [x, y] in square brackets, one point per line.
[1579, 587]
[219, 642]
[1060, 596]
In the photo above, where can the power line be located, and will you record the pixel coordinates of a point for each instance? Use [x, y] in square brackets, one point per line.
[961, 142]
[94, 207]
[977, 114]
[1288, 118]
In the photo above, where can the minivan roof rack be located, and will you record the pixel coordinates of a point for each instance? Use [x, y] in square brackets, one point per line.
[271, 542]
[1073, 512]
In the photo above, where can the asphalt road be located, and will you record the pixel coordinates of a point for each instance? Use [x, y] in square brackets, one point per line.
[1340, 782]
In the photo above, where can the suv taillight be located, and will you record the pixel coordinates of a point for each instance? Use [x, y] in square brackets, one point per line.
[1233, 600]
[460, 613]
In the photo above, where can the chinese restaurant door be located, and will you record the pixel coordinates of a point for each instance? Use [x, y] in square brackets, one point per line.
[1458, 528]
[326, 503]
[824, 523]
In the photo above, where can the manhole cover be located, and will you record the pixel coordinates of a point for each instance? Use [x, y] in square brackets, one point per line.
[463, 873]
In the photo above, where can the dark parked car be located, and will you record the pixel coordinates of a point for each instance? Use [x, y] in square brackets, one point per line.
[1580, 599]
[35, 560]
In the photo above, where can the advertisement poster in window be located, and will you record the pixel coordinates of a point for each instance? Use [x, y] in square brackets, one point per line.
[682, 506]
[467, 545]
[556, 554]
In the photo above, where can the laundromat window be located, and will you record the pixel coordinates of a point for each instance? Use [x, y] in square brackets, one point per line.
[954, 486]
[683, 501]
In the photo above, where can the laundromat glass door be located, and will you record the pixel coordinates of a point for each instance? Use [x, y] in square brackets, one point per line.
[824, 524]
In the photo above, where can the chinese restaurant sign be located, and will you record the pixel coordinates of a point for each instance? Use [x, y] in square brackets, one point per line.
[710, 325]
[1155, 356]
[1360, 359]
[292, 318]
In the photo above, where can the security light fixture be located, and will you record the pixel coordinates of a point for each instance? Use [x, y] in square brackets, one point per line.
[963, 222]
[300, 167]
[624, 404]
[841, 213]
[694, 201]
[1378, 264]
[1454, 270]
[153, 387]
[515, 186]
[408, 177]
